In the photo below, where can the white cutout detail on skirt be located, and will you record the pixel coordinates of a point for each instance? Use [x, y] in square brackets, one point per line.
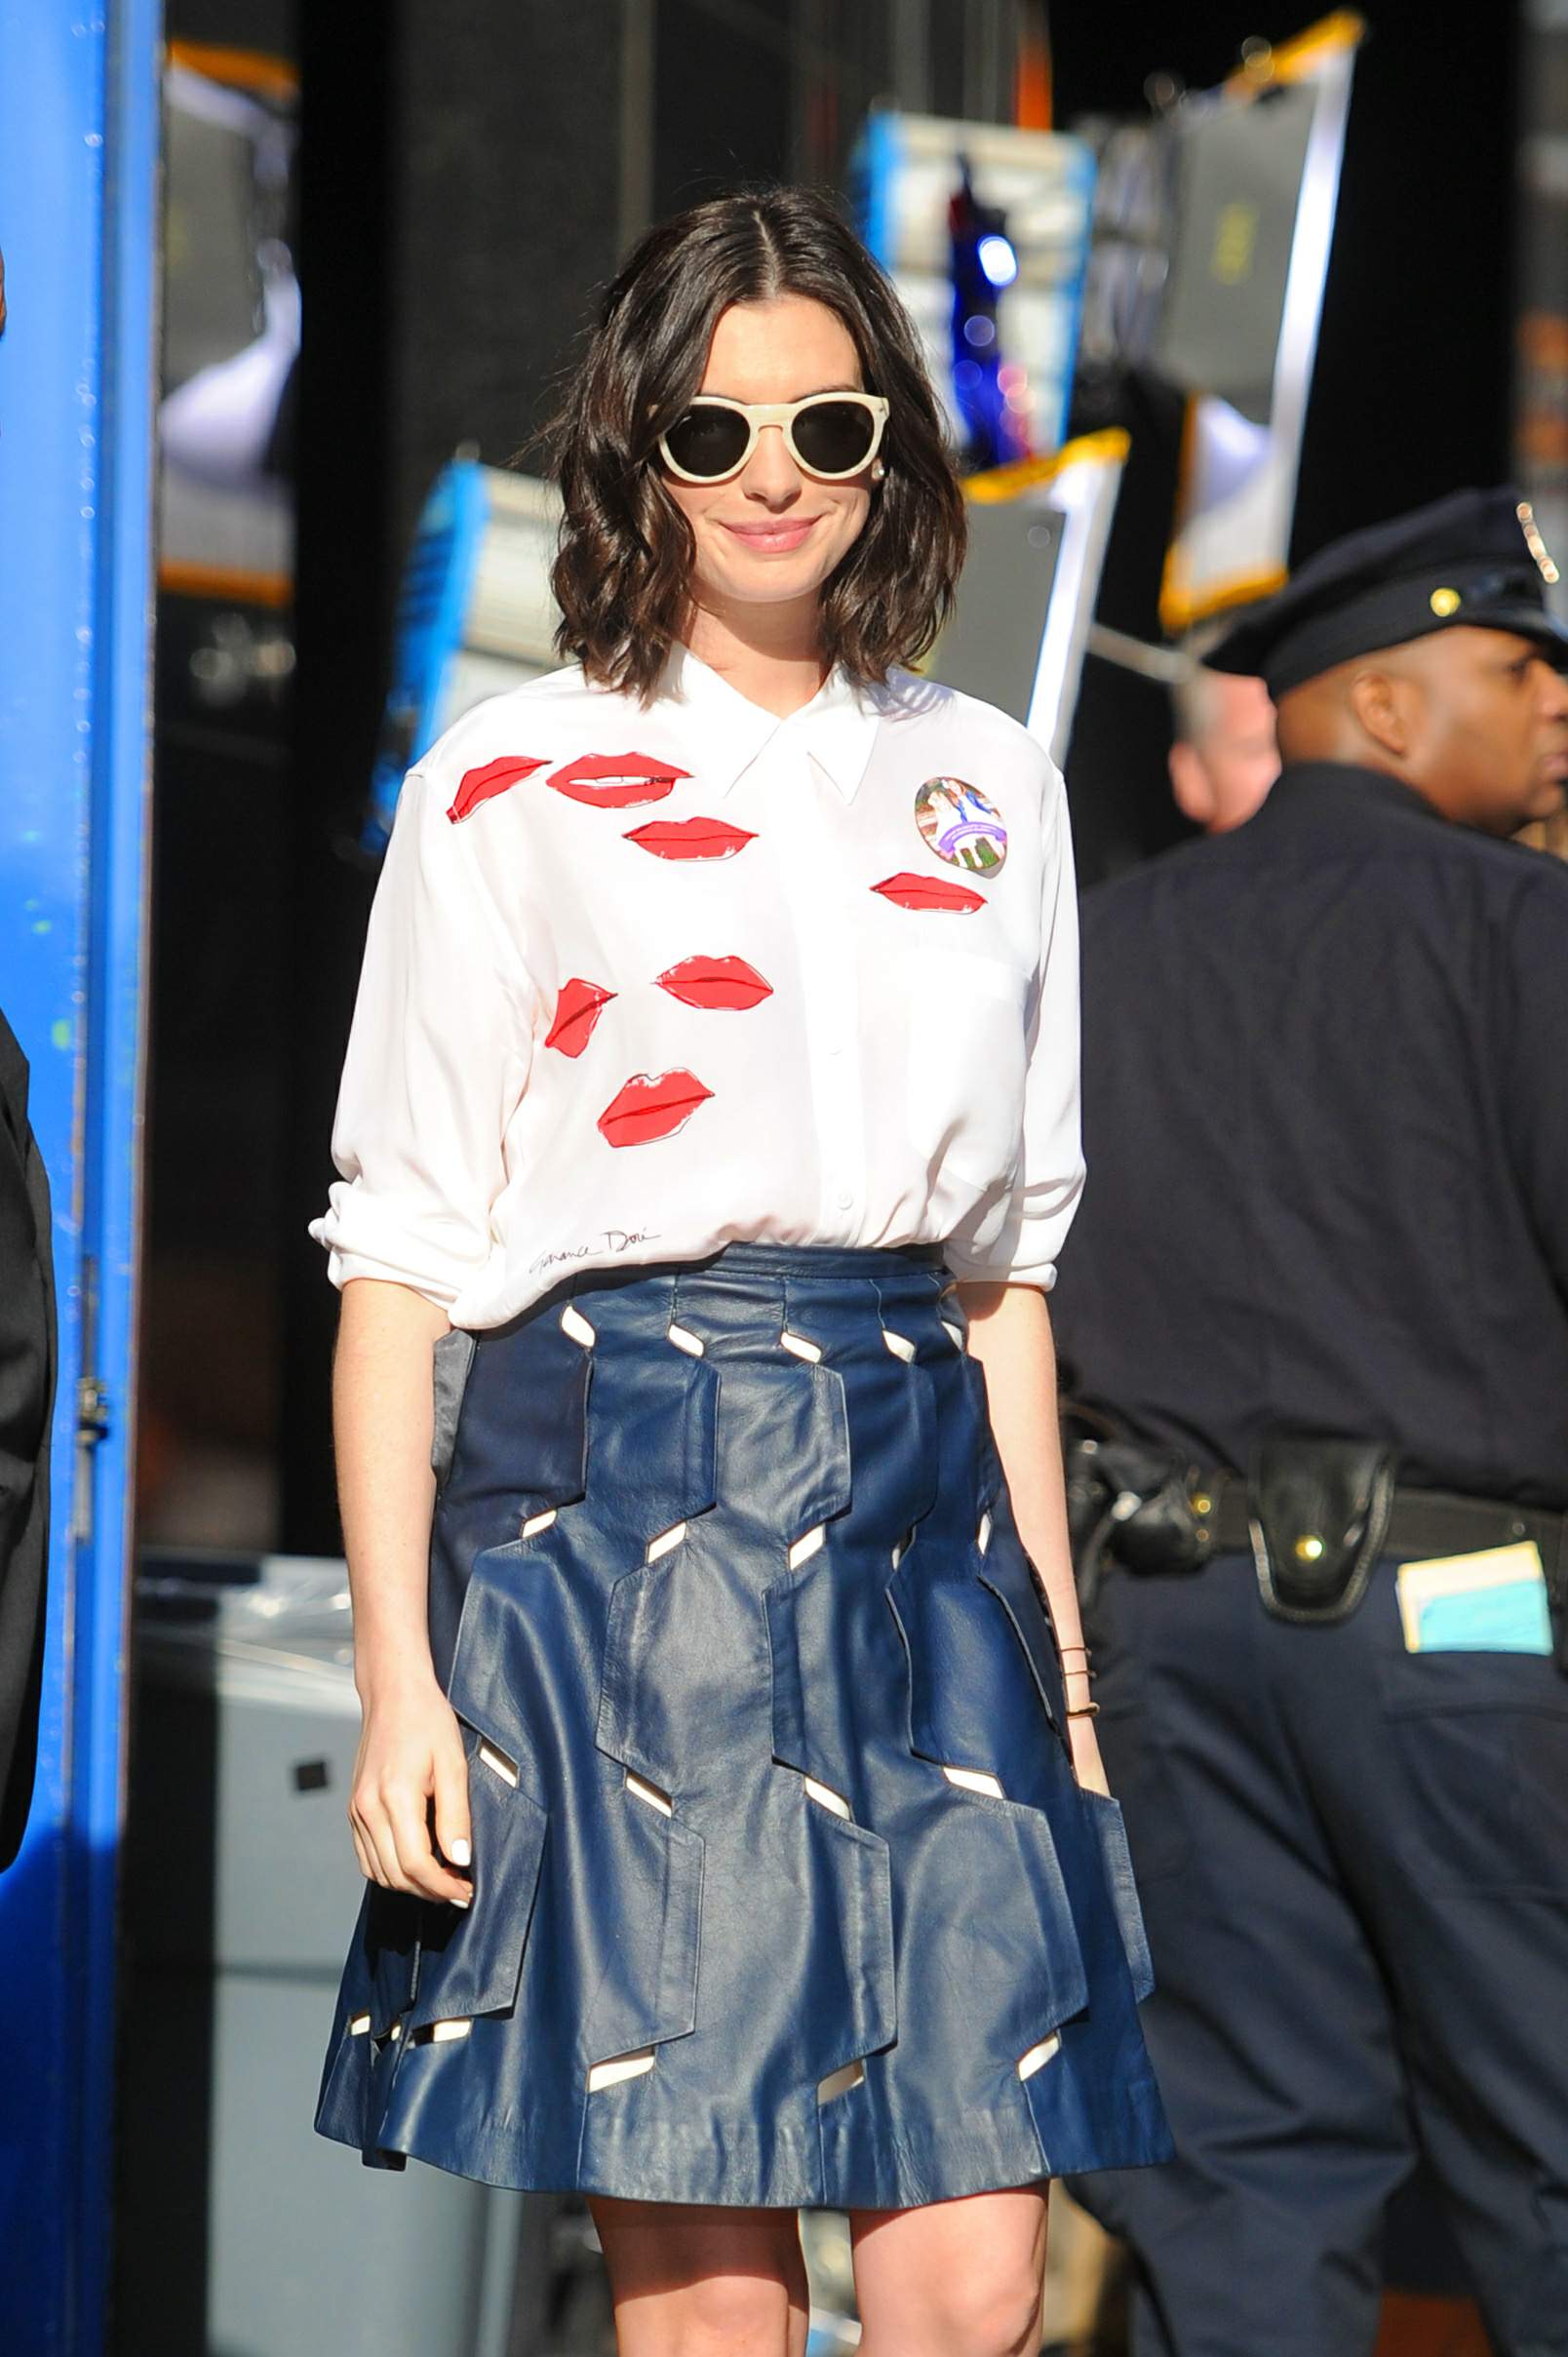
[499, 1763]
[827, 1798]
[839, 2081]
[620, 2067]
[1038, 2056]
[641, 1789]
[442, 2033]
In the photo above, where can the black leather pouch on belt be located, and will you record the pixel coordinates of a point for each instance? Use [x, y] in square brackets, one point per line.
[1131, 1504]
[1319, 1512]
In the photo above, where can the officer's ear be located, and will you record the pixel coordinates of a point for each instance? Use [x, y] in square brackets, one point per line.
[1384, 705]
[1191, 783]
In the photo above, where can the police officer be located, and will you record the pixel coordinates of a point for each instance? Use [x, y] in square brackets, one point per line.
[1316, 1309]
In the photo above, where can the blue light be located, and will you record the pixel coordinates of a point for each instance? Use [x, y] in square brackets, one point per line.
[996, 258]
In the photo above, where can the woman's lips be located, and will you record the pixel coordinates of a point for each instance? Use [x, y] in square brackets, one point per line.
[577, 1011]
[616, 781]
[770, 539]
[651, 1104]
[691, 838]
[715, 982]
[482, 785]
[908, 892]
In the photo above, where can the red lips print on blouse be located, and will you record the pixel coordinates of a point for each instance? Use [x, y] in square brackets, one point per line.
[715, 982]
[909, 891]
[616, 781]
[577, 1011]
[651, 1104]
[691, 838]
[483, 785]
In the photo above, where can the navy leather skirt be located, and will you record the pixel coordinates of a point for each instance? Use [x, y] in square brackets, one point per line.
[784, 1889]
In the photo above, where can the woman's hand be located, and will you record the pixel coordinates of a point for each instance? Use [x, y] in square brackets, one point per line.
[410, 1764]
[1087, 1766]
[1011, 1334]
[411, 1760]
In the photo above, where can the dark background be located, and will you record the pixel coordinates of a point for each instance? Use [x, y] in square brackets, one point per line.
[469, 174]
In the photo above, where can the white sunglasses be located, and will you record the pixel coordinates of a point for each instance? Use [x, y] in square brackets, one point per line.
[830, 434]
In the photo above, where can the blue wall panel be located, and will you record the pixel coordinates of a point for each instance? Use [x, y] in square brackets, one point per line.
[78, 221]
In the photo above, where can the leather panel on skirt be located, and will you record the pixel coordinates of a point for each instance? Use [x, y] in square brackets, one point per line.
[723, 1583]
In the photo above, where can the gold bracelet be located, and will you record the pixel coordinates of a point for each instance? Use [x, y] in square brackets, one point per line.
[1086, 1710]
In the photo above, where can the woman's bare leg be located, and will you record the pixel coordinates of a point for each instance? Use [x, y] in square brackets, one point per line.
[954, 2279]
[689, 2281]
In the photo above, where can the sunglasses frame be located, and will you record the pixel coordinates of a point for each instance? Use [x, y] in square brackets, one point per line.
[783, 413]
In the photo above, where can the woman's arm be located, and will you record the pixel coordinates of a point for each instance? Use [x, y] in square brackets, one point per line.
[1011, 1334]
[410, 1752]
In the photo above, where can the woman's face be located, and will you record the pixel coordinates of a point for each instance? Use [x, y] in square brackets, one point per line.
[772, 534]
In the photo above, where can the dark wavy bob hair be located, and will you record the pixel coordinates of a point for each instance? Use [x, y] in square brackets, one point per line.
[624, 564]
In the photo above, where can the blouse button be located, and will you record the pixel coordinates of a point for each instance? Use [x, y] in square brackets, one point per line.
[846, 1203]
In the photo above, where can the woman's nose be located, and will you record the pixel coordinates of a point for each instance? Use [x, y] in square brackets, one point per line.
[772, 474]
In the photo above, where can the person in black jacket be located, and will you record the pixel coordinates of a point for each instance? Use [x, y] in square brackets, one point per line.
[27, 1402]
[1315, 1316]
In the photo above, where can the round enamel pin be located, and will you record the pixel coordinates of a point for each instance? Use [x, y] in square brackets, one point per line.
[961, 826]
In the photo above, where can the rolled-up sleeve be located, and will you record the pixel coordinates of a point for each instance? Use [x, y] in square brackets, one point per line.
[438, 1059]
[1049, 1176]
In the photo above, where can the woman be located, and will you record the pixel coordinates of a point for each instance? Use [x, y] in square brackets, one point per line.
[717, 1134]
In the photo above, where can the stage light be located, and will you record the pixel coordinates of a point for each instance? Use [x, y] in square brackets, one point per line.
[1037, 532]
[477, 615]
[1031, 193]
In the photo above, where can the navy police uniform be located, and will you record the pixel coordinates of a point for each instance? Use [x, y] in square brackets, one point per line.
[1316, 1310]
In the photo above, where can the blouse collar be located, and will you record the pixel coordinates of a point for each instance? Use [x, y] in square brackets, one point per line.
[838, 728]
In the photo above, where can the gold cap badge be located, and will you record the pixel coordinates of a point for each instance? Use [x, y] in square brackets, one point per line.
[1444, 602]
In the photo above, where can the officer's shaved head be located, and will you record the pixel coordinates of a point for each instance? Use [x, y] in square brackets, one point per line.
[1475, 720]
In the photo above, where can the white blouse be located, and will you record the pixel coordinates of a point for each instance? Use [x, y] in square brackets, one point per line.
[641, 980]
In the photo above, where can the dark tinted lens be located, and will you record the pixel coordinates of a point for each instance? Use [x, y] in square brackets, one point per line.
[834, 437]
[707, 441]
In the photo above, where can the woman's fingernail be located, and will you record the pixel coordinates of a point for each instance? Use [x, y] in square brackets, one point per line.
[460, 1903]
[461, 1853]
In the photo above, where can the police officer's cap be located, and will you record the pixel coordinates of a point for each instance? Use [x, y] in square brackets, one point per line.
[1475, 557]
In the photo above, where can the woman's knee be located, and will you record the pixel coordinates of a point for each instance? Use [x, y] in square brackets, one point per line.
[989, 2313]
[689, 2285]
[731, 2316]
